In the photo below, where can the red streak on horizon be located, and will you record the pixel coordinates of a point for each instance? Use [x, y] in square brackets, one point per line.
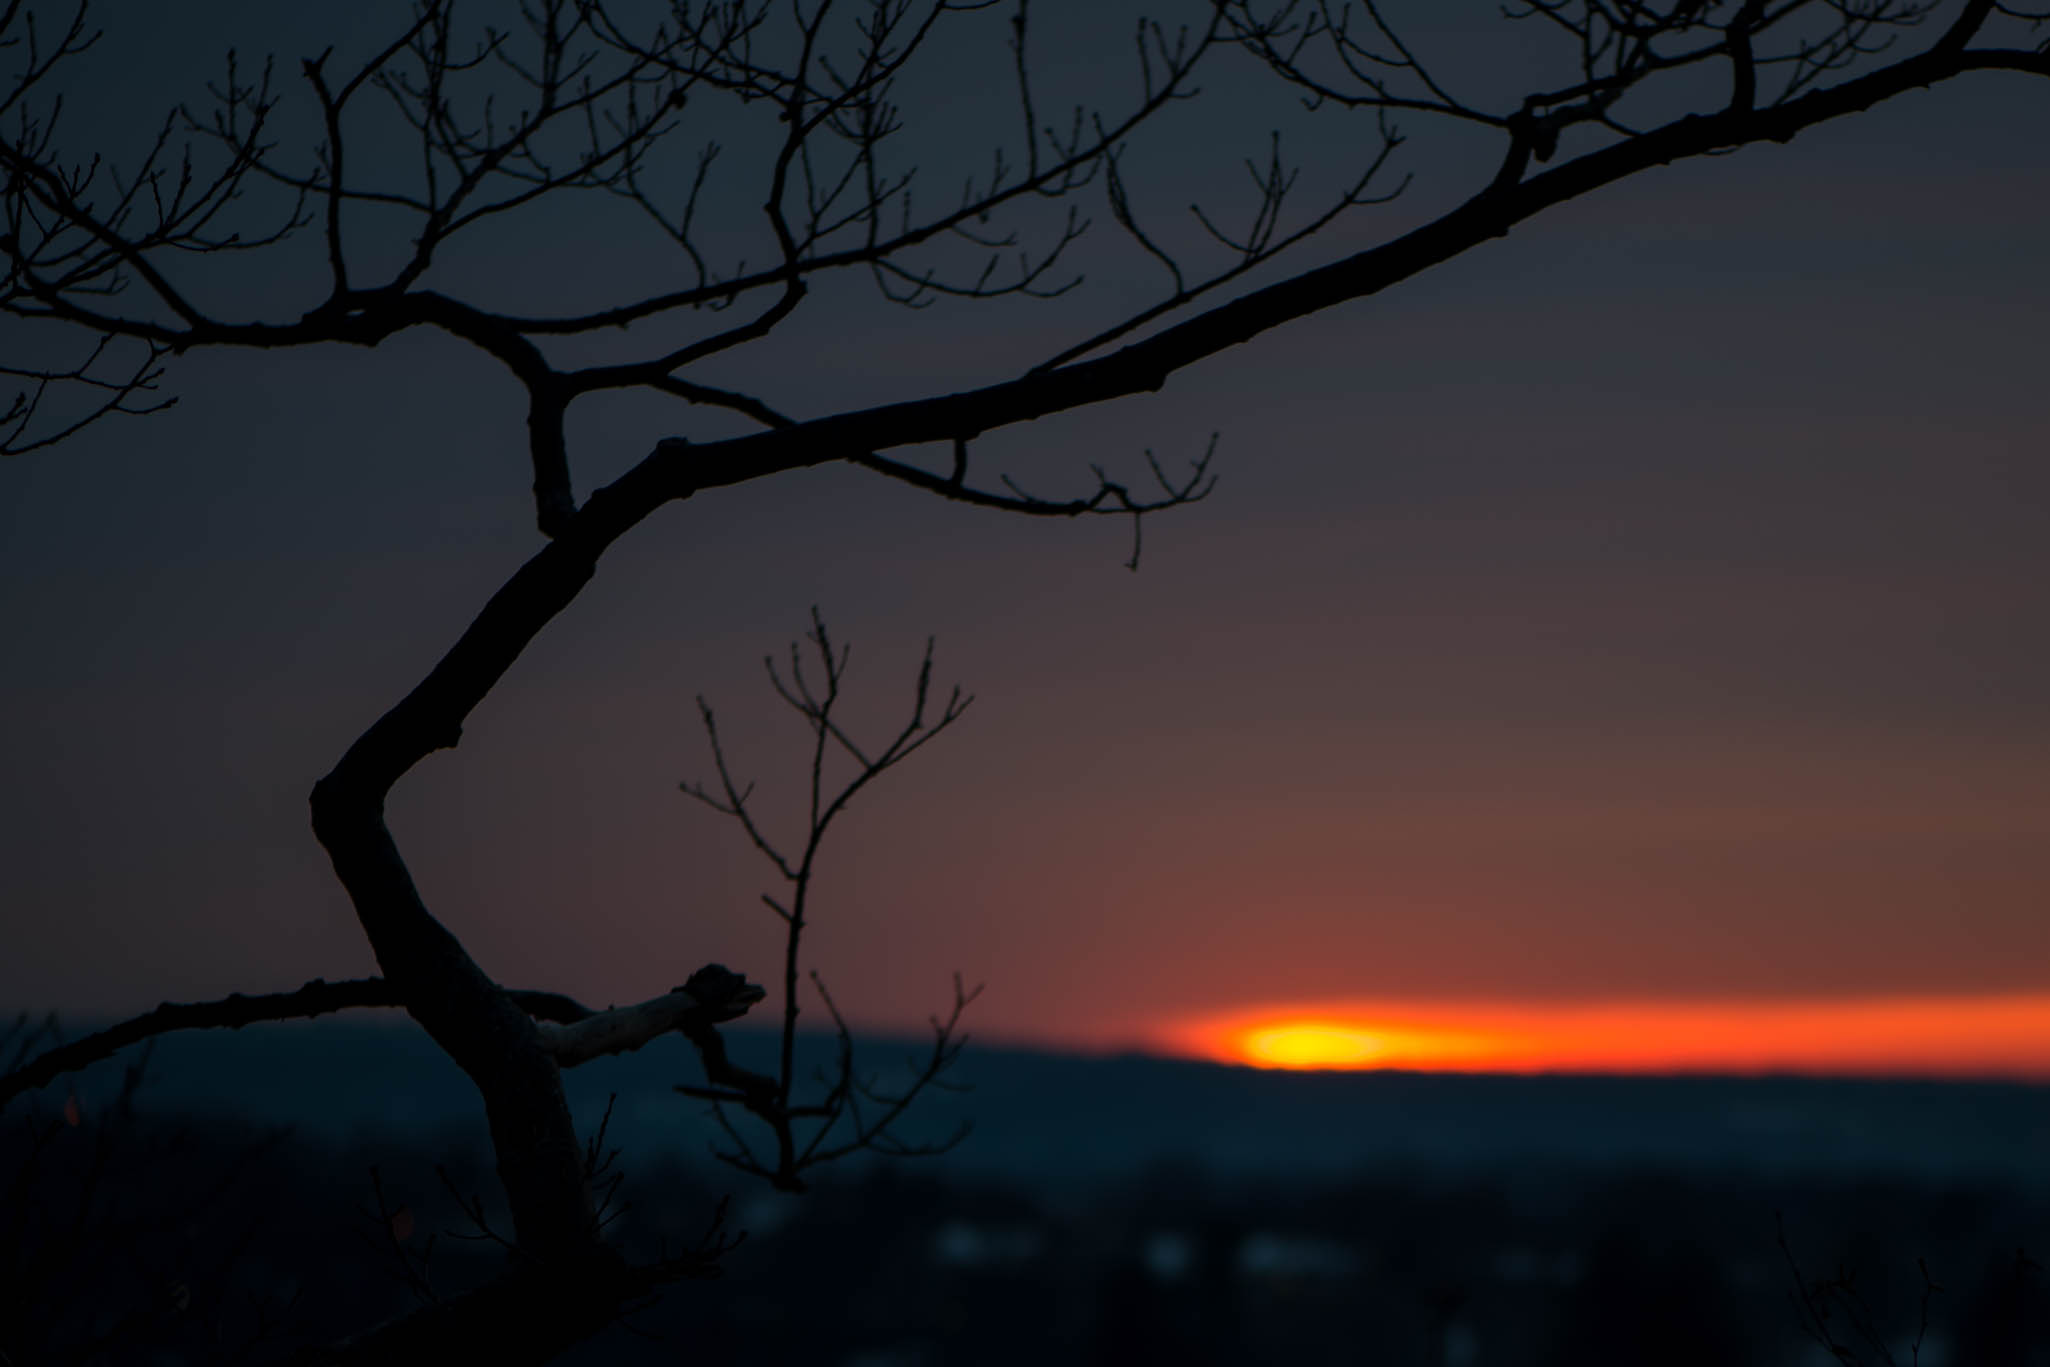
[1956, 1037]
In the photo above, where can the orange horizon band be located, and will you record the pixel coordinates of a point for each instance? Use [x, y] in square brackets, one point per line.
[2003, 1036]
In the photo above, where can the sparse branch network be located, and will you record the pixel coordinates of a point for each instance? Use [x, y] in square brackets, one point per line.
[853, 1112]
[790, 125]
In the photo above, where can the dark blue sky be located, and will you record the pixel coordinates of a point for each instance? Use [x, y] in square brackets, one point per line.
[1648, 604]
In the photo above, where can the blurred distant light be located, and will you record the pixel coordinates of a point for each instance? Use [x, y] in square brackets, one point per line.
[1168, 1255]
[960, 1243]
[1295, 1258]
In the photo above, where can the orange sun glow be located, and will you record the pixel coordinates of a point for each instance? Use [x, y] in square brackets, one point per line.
[1313, 1044]
[2006, 1036]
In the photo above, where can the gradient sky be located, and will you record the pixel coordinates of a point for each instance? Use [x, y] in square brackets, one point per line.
[1645, 607]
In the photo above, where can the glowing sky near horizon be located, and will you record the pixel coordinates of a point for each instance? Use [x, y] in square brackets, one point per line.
[1643, 608]
[1981, 1037]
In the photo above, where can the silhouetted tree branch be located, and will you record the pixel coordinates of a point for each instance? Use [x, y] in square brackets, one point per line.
[814, 697]
[317, 998]
[797, 104]
[1835, 1316]
[575, 1035]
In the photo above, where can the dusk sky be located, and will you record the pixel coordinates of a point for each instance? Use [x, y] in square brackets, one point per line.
[1645, 610]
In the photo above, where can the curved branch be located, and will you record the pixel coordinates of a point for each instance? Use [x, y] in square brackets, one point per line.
[1146, 365]
[468, 1014]
[431, 716]
[490, 1032]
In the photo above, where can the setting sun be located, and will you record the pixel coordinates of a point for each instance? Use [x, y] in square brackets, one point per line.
[1965, 1036]
[1338, 1039]
[1313, 1044]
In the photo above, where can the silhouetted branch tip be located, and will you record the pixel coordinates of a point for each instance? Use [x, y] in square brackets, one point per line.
[713, 996]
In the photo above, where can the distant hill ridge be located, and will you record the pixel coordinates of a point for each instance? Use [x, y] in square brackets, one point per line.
[1054, 1118]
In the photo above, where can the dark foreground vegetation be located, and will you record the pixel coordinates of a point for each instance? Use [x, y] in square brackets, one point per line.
[136, 1235]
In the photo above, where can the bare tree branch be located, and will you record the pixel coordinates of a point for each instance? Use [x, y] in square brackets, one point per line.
[811, 685]
[717, 996]
[317, 998]
[800, 104]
